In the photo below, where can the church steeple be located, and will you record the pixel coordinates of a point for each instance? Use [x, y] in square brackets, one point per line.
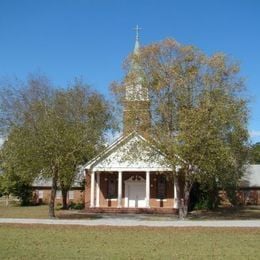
[136, 105]
[137, 44]
[135, 89]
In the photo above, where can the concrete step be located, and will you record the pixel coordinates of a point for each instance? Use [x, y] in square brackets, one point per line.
[132, 210]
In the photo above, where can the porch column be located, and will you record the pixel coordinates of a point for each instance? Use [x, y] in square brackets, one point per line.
[175, 196]
[147, 189]
[119, 198]
[97, 189]
[92, 190]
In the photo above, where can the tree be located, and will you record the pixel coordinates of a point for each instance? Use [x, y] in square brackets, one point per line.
[13, 183]
[255, 153]
[51, 131]
[199, 116]
[5, 188]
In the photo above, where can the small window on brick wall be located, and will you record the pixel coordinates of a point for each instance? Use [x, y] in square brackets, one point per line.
[40, 194]
[71, 195]
[161, 187]
[112, 187]
[58, 194]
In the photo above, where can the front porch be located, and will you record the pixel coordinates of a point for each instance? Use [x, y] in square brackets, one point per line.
[130, 175]
[131, 192]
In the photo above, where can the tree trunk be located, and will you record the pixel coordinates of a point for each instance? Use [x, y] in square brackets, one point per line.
[64, 193]
[53, 194]
[184, 203]
[7, 200]
[178, 190]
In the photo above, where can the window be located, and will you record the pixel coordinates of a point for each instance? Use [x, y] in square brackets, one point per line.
[58, 194]
[112, 187]
[71, 195]
[40, 194]
[161, 187]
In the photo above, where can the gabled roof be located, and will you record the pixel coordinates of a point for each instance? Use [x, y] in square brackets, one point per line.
[45, 182]
[129, 153]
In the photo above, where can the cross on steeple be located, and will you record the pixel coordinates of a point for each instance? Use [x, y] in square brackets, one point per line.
[137, 29]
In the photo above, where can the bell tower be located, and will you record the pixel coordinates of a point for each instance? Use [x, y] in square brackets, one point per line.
[136, 102]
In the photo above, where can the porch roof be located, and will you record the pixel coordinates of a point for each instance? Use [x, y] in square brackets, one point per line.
[129, 153]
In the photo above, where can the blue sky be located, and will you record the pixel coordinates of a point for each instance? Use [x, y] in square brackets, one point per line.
[69, 38]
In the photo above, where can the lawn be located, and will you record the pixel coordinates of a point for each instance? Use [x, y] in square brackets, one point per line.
[67, 242]
[16, 211]
[246, 212]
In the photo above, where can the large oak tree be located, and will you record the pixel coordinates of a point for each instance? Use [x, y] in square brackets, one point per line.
[51, 131]
[198, 110]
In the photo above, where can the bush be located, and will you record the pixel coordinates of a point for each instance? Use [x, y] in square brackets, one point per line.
[77, 206]
[58, 205]
[202, 204]
[23, 192]
[203, 197]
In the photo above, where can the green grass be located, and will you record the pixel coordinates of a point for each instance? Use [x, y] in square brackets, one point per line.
[15, 211]
[74, 242]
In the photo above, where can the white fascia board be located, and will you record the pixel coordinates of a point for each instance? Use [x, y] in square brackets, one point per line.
[119, 169]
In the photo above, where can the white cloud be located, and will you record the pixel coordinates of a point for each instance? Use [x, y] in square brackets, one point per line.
[255, 133]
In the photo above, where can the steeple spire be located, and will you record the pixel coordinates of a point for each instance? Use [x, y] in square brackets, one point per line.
[137, 44]
[136, 104]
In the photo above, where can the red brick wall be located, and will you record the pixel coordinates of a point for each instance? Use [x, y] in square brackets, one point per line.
[87, 189]
[244, 197]
[168, 201]
[249, 197]
[77, 194]
[154, 202]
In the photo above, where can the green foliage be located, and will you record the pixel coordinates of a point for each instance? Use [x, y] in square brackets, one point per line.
[51, 131]
[202, 203]
[204, 197]
[198, 112]
[77, 206]
[12, 181]
[14, 184]
[2, 186]
[255, 153]
[23, 191]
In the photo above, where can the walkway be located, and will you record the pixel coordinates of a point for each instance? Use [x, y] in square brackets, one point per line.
[129, 222]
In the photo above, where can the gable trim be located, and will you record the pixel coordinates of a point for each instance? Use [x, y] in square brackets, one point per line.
[110, 148]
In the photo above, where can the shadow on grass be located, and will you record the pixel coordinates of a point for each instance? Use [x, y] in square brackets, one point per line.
[231, 213]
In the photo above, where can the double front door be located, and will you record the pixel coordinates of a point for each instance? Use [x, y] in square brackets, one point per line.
[136, 195]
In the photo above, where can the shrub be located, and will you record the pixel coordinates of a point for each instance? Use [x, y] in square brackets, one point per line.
[77, 206]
